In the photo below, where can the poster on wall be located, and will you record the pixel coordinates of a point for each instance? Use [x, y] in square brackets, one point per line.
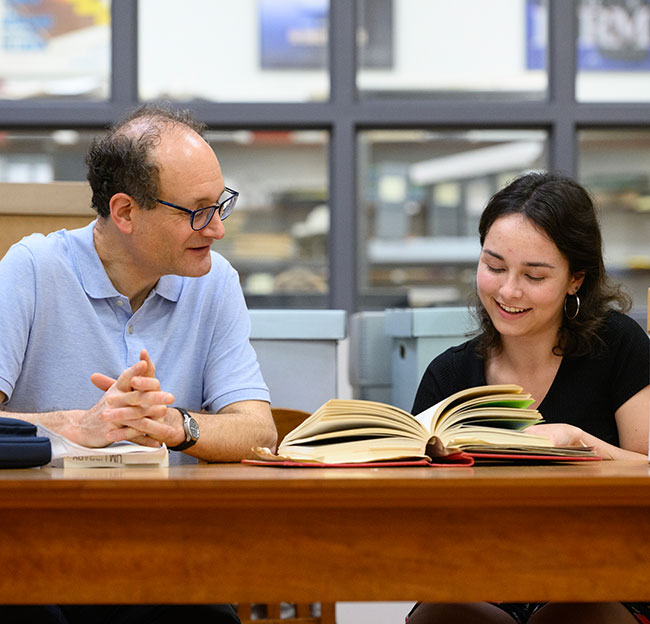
[294, 33]
[54, 48]
[613, 35]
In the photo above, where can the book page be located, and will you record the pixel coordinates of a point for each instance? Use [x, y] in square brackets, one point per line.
[341, 415]
[432, 417]
[346, 435]
[461, 436]
[356, 451]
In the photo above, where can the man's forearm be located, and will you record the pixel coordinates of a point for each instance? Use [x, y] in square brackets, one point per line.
[64, 422]
[227, 436]
[230, 435]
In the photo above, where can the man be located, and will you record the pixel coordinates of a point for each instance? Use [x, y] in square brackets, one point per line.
[138, 299]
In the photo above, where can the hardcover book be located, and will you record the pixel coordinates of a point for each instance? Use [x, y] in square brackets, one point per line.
[483, 423]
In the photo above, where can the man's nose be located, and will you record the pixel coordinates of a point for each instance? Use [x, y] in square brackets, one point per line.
[215, 229]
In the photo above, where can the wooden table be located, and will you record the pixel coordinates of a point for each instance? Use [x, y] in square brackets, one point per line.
[213, 533]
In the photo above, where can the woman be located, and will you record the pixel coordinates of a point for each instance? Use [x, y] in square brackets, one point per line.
[551, 322]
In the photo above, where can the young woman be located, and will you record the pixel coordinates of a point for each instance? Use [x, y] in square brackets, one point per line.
[552, 322]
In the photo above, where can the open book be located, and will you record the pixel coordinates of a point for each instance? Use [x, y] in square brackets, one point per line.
[68, 454]
[483, 422]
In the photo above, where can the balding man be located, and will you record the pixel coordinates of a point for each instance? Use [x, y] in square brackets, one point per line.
[132, 328]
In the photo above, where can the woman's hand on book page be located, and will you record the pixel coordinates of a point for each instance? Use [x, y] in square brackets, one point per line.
[560, 434]
[568, 435]
[134, 407]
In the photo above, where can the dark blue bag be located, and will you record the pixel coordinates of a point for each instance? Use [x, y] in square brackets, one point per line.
[20, 447]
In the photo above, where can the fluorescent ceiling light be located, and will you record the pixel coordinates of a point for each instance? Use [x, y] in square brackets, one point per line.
[476, 163]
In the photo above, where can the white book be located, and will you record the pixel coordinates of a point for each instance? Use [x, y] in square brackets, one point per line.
[69, 454]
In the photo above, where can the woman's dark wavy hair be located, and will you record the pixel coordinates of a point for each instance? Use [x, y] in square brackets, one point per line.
[121, 161]
[564, 211]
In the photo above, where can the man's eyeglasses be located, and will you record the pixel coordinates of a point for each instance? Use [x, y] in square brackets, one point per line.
[201, 217]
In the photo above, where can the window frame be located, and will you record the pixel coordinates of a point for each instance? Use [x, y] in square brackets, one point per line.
[345, 114]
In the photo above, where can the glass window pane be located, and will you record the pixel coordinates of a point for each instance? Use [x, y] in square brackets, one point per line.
[613, 51]
[43, 156]
[234, 51]
[54, 163]
[449, 49]
[422, 194]
[55, 49]
[615, 166]
[277, 235]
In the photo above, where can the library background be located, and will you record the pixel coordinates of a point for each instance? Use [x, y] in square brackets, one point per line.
[365, 136]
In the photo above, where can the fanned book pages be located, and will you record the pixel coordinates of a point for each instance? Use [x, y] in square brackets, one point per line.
[482, 423]
[68, 454]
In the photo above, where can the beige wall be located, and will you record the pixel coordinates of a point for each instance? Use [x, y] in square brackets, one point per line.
[28, 208]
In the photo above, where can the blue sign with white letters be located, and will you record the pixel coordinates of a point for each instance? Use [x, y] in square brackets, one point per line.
[614, 35]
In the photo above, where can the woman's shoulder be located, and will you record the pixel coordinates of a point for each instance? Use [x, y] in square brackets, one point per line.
[621, 339]
[457, 358]
[462, 350]
[454, 369]
[617, 325]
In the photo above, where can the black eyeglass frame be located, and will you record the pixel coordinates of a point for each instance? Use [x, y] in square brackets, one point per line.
[223, 209]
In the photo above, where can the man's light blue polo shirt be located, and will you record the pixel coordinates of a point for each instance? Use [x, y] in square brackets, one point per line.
[61, 319]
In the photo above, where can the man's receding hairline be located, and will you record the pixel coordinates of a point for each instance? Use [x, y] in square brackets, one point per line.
[151, 123]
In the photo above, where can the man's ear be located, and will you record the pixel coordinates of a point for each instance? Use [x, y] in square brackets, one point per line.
[122, 207]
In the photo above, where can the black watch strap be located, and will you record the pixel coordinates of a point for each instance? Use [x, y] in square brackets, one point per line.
[191, 429]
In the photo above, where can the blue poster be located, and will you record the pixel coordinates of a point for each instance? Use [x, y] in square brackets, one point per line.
[613, 35]
[294, 33]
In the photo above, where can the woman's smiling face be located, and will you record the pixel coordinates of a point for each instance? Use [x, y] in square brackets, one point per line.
[522, 278]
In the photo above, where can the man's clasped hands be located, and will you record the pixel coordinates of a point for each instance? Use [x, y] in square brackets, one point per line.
[133, 407]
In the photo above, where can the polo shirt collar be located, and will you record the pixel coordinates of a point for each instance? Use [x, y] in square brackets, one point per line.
[169, 287]
[94, 278]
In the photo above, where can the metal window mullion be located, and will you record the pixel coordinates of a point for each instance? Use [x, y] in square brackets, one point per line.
[562, 67]
[343, 268]
[124, 55]
[344, 215]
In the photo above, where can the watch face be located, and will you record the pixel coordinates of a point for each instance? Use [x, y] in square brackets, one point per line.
[194, 429]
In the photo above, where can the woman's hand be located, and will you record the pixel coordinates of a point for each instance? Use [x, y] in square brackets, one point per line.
[569, 435]
[560, 434]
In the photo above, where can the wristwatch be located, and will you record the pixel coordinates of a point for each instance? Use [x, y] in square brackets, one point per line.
[191, 428]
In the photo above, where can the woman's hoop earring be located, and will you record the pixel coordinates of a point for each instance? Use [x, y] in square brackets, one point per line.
[577, 307]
